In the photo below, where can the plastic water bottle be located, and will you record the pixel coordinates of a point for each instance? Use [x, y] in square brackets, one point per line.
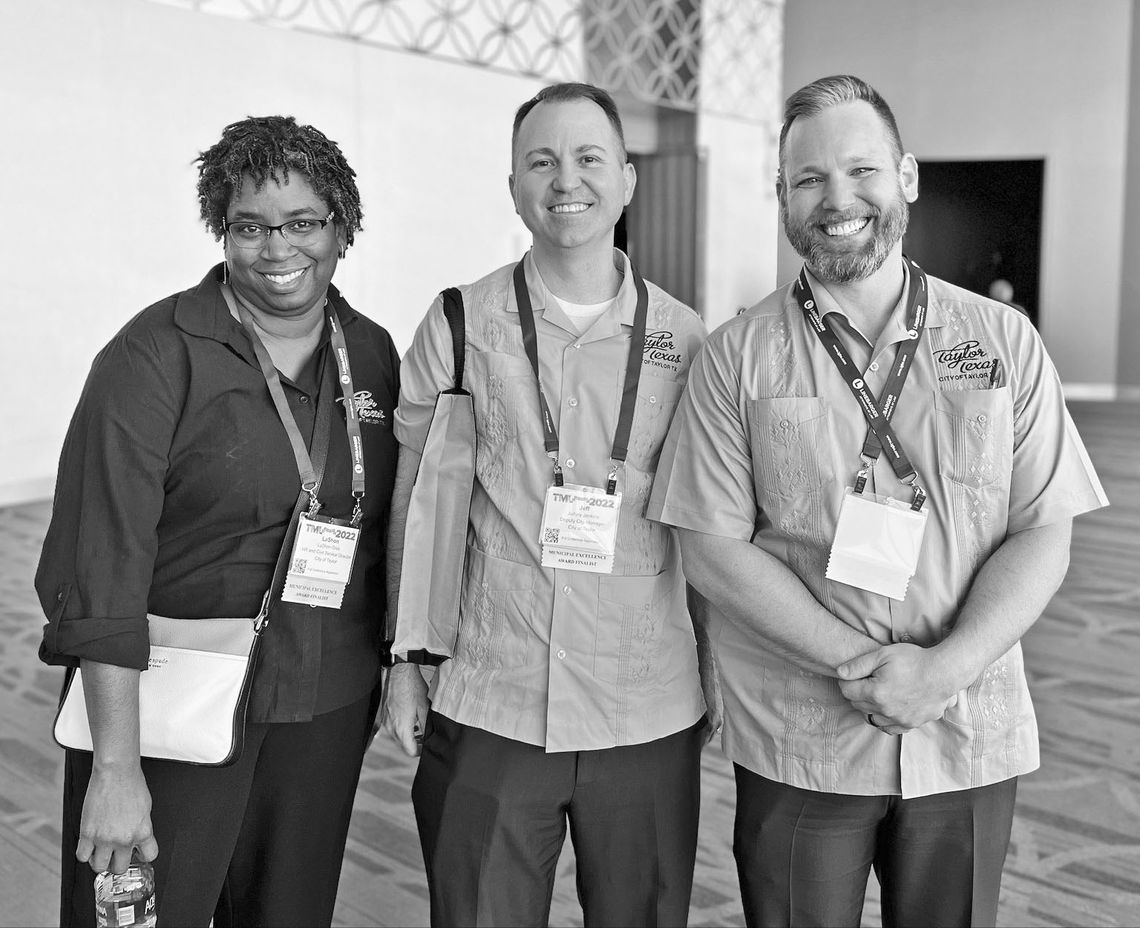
[126, 900]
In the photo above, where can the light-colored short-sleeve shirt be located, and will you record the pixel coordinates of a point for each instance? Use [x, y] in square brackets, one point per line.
[566, 659]
[762, 448]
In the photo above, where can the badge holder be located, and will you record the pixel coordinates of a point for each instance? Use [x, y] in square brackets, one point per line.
[320, 565]
[579, 526]
[877, 540]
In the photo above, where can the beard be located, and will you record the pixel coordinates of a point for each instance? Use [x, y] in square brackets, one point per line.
[843, 266]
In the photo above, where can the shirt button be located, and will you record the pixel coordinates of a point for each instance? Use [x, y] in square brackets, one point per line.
[569, 462]
[566, 589]
[561, 654]
[577, 345]
[652, 398]
[874, 366]
[304, 399]
[905, 636]
[982, 419]
[573, 401]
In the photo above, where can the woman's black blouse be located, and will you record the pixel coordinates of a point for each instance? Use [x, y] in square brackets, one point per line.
[175, 488]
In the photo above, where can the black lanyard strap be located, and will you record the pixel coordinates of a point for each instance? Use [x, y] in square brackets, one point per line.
[311, 473]
[880, 435]
[629, 390]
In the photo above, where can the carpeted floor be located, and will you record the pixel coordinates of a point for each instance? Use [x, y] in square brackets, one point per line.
[1075, 854]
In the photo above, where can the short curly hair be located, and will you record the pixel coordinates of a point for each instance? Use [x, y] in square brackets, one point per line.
[269, 147]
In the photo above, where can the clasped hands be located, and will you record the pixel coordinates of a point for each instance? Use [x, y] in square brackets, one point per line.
[898, 687]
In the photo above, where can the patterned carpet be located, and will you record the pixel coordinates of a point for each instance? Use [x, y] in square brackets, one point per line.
[1075, 853]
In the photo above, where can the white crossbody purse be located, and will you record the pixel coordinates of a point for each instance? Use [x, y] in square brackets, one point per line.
[193, 695]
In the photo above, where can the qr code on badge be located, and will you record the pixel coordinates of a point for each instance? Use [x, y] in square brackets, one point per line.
[300, 564]
[550, 536]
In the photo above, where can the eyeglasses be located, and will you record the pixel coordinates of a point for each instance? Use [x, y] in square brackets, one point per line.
[246, 234]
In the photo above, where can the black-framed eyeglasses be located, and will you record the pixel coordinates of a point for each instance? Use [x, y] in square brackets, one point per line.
[246, 234]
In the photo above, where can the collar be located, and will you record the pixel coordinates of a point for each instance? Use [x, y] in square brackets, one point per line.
[621, 313]
[201, 311]
[895, 329]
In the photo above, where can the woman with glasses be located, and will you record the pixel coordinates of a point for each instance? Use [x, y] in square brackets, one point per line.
[199, 425]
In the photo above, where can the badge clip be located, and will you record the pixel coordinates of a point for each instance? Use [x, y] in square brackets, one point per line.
[558, 481]
[861, 477]
[919, 497]
[314, 503]
[611, 480]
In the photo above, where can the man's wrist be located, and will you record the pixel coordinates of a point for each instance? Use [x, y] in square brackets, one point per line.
[954, 667]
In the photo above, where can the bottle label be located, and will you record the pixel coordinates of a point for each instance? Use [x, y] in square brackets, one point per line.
[125, 914]
[125, 900]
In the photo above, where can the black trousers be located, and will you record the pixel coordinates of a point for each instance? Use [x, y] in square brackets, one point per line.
[803, 856]
[492, 816]
[257, 843]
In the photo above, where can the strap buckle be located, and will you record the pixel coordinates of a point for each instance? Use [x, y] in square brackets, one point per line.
[919, 497]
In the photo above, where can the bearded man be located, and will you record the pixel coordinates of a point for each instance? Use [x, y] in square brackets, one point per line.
[874, 477]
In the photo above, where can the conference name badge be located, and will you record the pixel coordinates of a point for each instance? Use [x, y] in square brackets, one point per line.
[579, 528]
[321, 563]
[877, 543]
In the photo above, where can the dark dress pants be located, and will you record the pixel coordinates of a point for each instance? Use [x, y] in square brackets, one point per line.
[257, 843]
[803, 856]
[492, 816]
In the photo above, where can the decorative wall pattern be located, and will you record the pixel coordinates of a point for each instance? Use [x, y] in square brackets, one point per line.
[717, 55]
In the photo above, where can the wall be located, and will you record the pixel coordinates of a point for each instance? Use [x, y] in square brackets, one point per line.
[978, 79]
[1128, 350]
[106, 104]
[105, 107]
[741, 227]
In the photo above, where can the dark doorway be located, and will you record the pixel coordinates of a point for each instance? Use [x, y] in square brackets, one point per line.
[978, 221]
[663, 225]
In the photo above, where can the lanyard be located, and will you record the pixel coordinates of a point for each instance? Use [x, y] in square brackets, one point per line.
[629, 391]
[880, 435]
[310, 480]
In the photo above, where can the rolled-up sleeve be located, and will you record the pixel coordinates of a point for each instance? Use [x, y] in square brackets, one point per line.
[427, 368]
[95, 569]
[704, 477]
[1053, 478]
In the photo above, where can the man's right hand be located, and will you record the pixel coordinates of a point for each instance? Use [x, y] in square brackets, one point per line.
[115, 820]
[404, 707]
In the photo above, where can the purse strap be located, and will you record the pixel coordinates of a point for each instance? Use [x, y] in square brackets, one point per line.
[453, 312]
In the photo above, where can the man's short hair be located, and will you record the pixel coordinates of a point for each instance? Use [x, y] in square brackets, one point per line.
[832, 91]
[566, 93]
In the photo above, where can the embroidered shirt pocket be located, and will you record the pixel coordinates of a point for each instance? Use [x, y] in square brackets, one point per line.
[632, 614]
[656, 401]
[496, 611]
[975, 437]
[791, 449]
[501, 385]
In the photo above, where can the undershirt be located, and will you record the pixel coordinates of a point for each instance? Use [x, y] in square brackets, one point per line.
[583, 315]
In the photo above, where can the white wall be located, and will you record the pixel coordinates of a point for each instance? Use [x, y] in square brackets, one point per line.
[106, 104]
[741, 227]
[1128, 351]
[994, 79]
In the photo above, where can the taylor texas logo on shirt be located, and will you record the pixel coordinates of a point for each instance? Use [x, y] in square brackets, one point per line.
[661, 351]
[366, 408]
[969, 365]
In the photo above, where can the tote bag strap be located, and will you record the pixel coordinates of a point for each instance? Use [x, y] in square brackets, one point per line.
[453, 312]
